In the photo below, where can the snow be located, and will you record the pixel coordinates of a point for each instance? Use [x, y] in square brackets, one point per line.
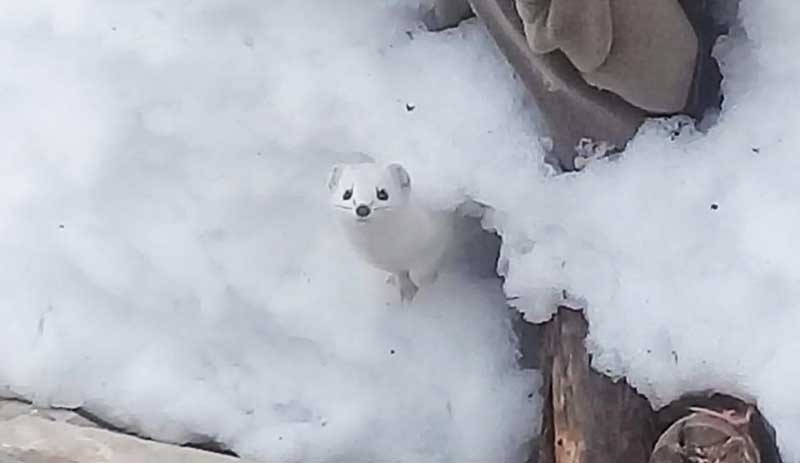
[170, 259]
[683, 251]
[171, 264]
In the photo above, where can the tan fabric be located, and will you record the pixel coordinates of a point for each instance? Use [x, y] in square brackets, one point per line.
[642, 50]
[573, 113]
[579, 28]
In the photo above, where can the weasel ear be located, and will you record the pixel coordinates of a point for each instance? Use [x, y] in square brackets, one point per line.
[400, 176]
[334, 176]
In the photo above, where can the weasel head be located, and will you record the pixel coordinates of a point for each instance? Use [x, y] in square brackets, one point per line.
[368, 192]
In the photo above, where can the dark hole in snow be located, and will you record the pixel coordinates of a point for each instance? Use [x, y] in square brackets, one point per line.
[479, 255]
[476, 250]
[756, 150]
[391, 352]
[710, 19]
[410, 107]
[61, 226]
[528, 335]
[714, 206]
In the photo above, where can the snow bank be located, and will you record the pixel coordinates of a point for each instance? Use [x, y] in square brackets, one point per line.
[684, 250]
[170, 262]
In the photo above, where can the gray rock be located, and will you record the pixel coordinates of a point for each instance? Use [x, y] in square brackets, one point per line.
[13, 408]
[27, 438]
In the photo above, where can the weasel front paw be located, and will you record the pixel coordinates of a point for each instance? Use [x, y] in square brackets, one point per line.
[407, 287]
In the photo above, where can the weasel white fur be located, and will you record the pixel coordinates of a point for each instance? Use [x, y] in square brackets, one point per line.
[386, 227]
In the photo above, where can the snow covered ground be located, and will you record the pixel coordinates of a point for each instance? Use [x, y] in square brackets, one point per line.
[170, 259]
[171, 264]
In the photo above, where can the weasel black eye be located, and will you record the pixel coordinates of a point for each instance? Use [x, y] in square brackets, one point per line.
[383, 195]
[347, 194]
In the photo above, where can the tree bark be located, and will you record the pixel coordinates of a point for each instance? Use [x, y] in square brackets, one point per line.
[588, 418]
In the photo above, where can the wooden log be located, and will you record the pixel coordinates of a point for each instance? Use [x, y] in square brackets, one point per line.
[588, 418]
[714, 428]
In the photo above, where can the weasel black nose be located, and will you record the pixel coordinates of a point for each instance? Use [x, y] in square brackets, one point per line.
[363, 211]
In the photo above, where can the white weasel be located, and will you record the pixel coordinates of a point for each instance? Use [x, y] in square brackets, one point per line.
[386, 227]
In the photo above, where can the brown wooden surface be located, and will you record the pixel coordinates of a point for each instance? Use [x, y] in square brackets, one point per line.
[588, 418]
[756, 428]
